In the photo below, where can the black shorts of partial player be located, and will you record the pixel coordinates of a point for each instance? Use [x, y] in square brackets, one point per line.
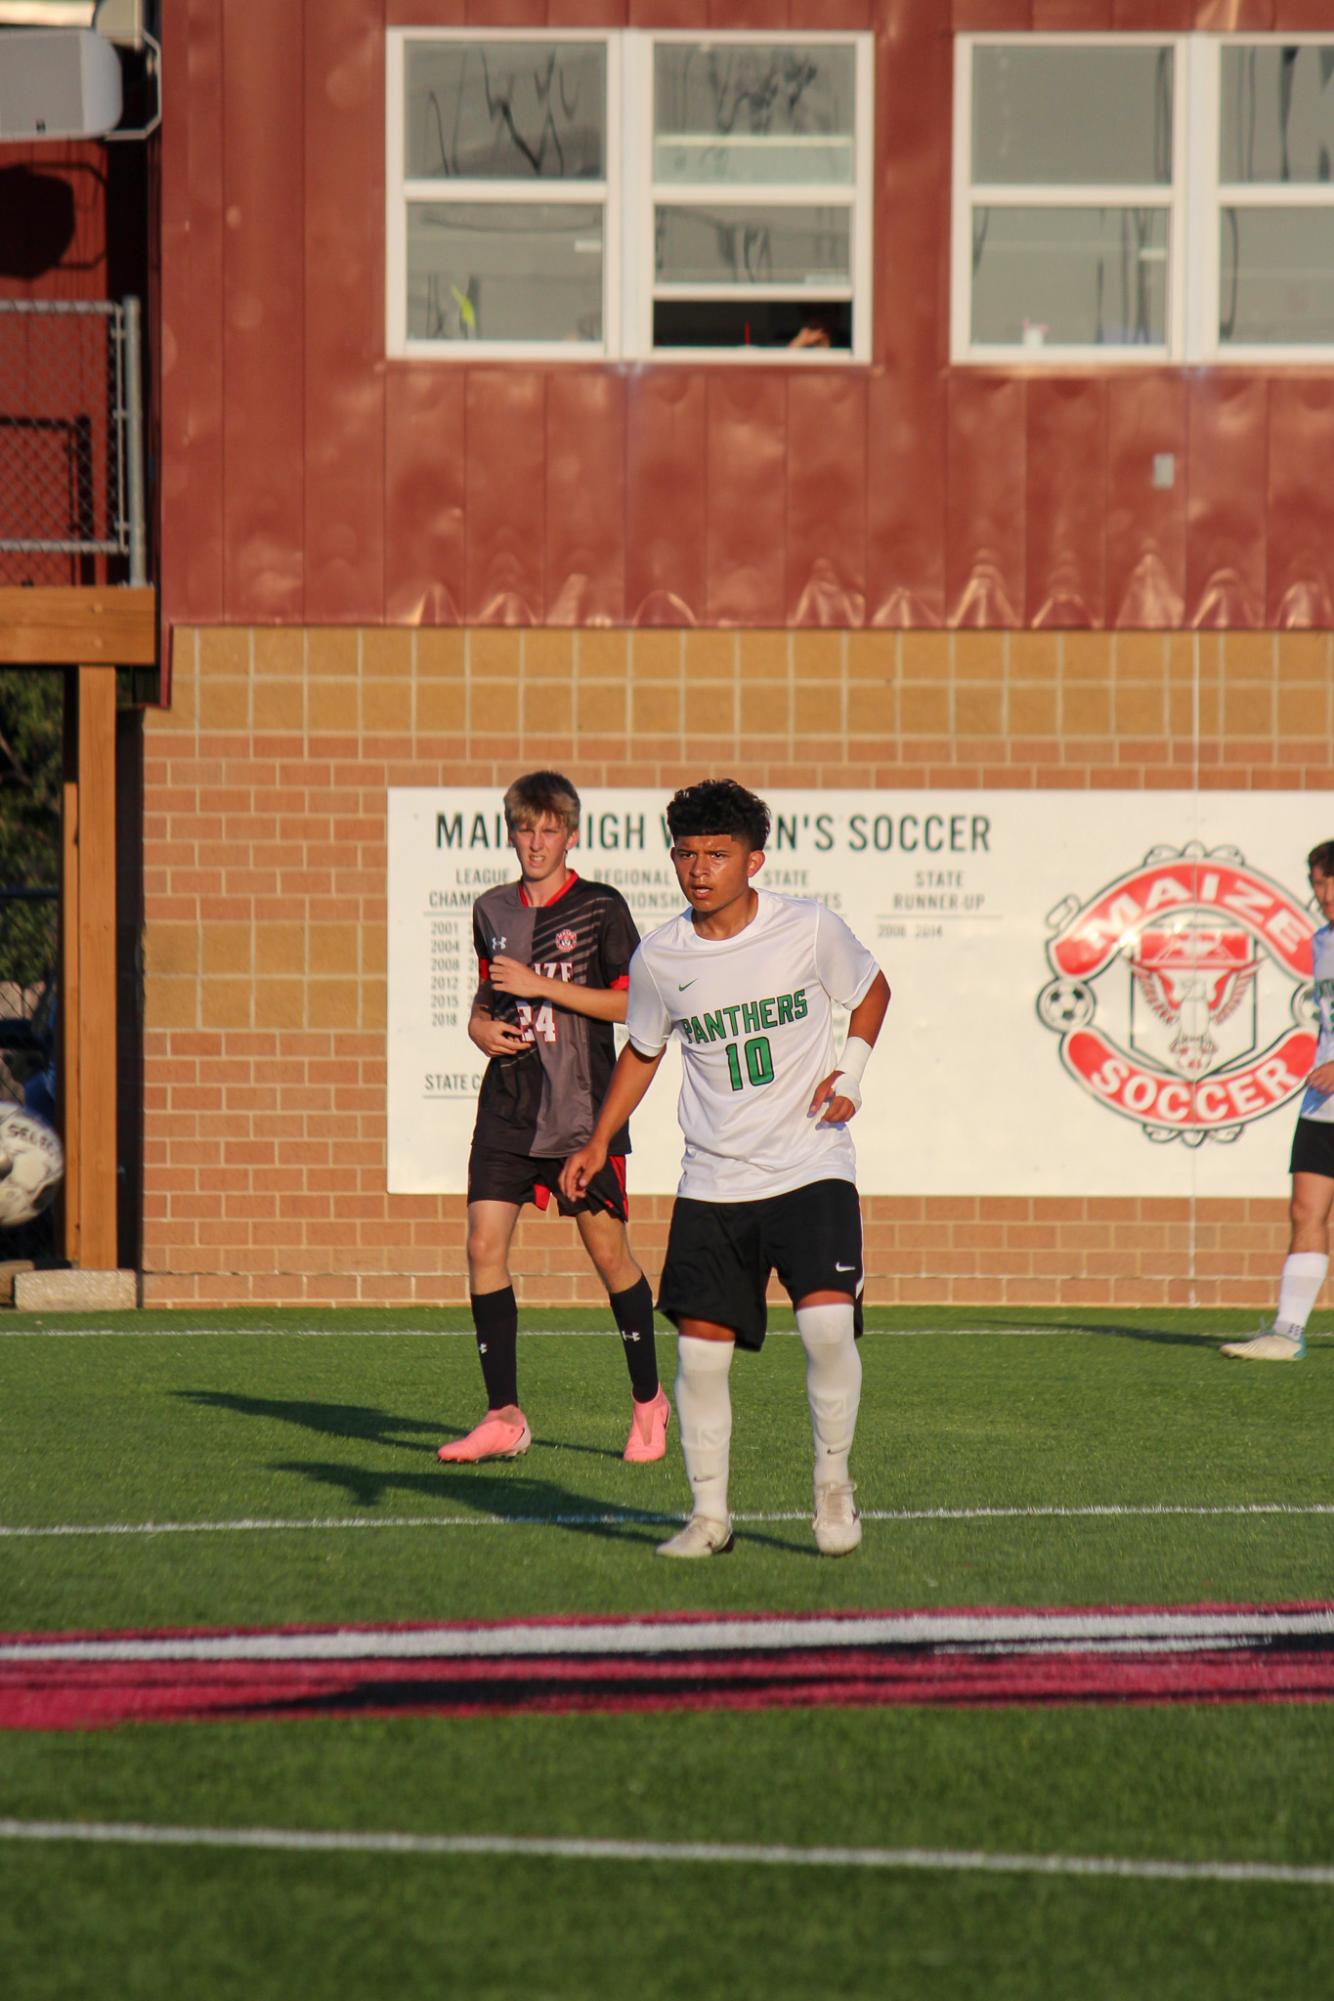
[720, 1256]
[1313, 1148]
[495, 1175]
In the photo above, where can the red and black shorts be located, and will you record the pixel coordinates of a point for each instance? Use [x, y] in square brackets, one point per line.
[497, 1176]
[720, 1255]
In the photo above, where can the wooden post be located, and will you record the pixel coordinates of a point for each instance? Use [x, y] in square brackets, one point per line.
[88, 969]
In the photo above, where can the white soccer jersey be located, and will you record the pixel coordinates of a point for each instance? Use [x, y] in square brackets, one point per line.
[755, 1018]
[1314, 1106]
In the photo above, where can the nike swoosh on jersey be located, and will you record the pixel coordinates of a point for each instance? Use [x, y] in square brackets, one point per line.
[683, 984]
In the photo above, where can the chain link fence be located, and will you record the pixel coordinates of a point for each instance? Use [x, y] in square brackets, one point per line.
[71, 455]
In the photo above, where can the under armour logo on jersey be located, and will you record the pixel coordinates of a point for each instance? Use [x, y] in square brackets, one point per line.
[498, 944]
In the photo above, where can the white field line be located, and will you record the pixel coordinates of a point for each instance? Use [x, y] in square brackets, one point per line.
[1099, 1631]
[1081, 1332]
[630, 1517]
[710, 1854]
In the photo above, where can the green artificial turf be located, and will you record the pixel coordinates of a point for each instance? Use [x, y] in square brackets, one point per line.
[314, 1427]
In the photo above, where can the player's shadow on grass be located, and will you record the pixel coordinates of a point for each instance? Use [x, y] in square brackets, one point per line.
[1164, 1336]
[523, 1501]
[363, 1421]
[332, 1420]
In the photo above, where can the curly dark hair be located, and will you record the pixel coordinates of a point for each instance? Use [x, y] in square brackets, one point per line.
[1321, 857]
[719, 806]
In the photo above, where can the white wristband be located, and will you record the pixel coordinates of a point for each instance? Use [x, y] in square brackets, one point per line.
[851, 1068]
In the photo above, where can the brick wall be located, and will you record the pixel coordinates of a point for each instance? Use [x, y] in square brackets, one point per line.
[265, 910]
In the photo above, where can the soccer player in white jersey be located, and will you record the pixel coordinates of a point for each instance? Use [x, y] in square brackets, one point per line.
[1312, 1163]
[748, 980]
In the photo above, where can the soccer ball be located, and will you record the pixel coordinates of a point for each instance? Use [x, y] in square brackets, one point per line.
[1066, 1005]
[31, 1164]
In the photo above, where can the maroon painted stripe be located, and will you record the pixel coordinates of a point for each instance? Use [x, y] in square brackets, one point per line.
[92, 1695]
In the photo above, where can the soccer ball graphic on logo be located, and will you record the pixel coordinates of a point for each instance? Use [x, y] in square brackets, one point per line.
[31, 1164]
[1066, 1004]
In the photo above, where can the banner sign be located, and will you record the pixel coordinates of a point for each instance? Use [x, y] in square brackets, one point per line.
[1094, 992]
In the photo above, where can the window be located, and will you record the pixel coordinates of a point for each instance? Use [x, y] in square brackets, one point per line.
[1275, 198]
[1067, 228]
[566, 196]
[1180, 208]
[760, 216]
[501, 156]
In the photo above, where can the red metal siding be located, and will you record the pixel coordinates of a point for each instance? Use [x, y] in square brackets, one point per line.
[344, 315]
[585, 454]
[263, 358]
[306, 477]
[1300, 508]
[425, 483]
[1146, 523]
[1065, 508]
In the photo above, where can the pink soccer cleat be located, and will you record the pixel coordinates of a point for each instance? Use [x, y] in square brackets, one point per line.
[648, 1431]
[502, 1434]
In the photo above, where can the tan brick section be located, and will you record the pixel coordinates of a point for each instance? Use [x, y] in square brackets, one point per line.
[265, 792]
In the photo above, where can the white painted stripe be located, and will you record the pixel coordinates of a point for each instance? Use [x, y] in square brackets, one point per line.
[630, 1517]
[1090, 1632]
[708, 1853]
[1081, 1332]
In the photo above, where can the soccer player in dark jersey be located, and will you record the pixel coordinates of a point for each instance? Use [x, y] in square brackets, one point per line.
[554, 956]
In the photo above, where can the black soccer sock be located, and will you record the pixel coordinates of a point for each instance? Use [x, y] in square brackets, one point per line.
[496, 1318]
[633, 1309]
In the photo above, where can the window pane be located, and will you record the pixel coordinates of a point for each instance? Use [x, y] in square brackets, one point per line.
[1277, 275]
[1277, 114]
[504, 271]
[753, 246]
[500, 111]
[1094, 277]
[747, 113]
[801, 323]
[1051, 117]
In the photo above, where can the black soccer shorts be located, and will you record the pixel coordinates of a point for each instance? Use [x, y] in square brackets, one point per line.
[496, 1176]
[720, 1255]
[1313, 1148]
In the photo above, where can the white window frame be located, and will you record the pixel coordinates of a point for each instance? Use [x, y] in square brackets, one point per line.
[626, 200]
[1218, 194]
[1194, 201]
[966, 197]
[400, 192]
[643, 193]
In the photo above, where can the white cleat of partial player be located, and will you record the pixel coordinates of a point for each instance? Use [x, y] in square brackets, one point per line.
[700, 1537]
[1269, 1345]
[837, 1522]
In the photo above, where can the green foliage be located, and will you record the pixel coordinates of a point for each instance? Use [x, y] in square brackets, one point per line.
[30, 768]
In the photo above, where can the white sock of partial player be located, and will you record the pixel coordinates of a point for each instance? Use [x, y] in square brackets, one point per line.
[1298, 1289]
[833, 1387]
[704, 1418]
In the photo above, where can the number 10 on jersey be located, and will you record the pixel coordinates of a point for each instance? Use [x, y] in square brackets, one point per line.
[758, 1058]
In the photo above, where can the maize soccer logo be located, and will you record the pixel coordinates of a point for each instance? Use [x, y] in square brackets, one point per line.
[1181, 993]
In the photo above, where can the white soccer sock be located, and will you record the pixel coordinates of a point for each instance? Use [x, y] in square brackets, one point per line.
[1299, 1288]
[704, 1415]
[833, 1387]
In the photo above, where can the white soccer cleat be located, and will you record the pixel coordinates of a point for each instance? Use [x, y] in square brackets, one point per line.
[1267, 1346]
[837, 1522]
[700, 1537]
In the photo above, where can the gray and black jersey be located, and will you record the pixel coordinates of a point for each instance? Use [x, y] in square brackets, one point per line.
[545, 1102]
